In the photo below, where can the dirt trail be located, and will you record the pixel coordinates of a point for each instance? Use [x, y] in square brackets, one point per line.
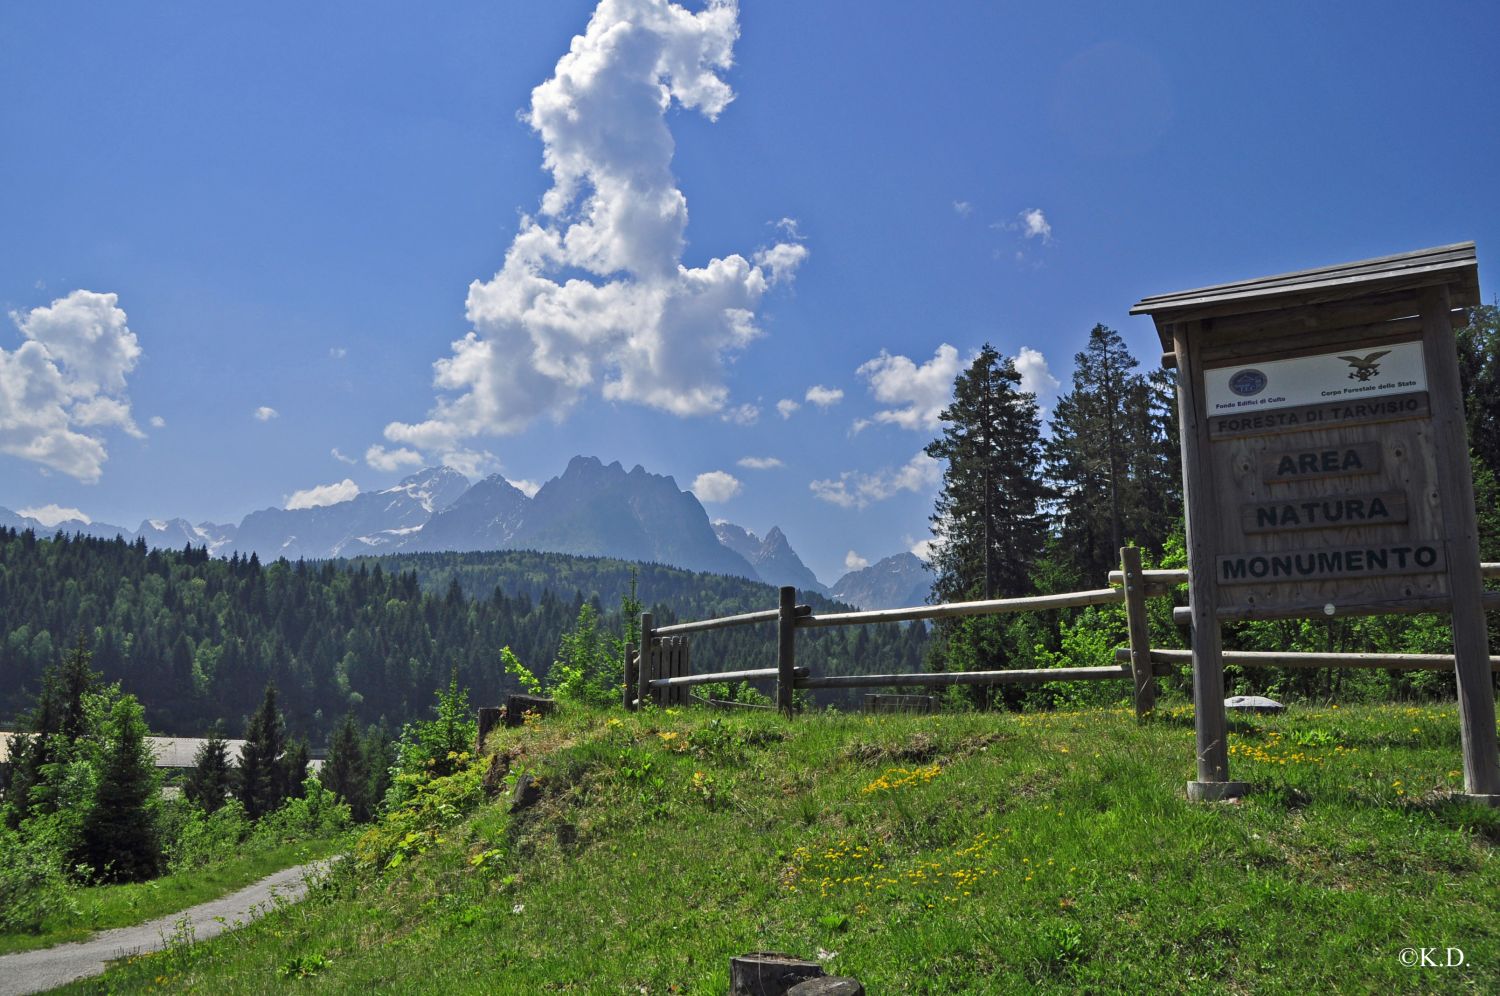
[47, 968]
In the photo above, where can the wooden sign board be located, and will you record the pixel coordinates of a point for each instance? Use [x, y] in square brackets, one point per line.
[1325, 467]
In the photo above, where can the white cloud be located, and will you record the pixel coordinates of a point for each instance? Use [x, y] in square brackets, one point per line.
[925, 549]
[337, 352]
[68, 376]
[265, 413]
[380, 458]
[786, 406]
[341, 457]
[859, 425]
[746, 414]
[759, 463]
[716, 485]
[1035, 375]
[1034, 225]
[963, 208]
[51, 515]
[323, 494]
[470, 463]
[157, 422]
[853, 489]
[921, 391]
[593, 295]
[790, 227]
[527, 488]
[824, 397]
[854, 562]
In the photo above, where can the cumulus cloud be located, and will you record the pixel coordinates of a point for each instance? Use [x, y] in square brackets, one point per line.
[824, 397]
[746, 414]
[925, 549]
[854, 489]
[69, 375]
[323, 494]
[51, 515]
[342, 457]
[380, 458]
[921, 392]
[854, 562]
[470, 463]
[963, 208]
[716, 485]
[759, 463]
[1034, 225]
[157, 422]
[527, 488]
[265, 413]
[593, 295]
[1035, 375]
[786, 406]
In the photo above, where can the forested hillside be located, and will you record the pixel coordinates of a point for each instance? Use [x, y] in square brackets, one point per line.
[197, 639]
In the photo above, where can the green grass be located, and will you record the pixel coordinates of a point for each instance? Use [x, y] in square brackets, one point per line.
[965, 853]
[102, 907]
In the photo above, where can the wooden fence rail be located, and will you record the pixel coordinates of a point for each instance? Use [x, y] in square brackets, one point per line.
[661, 673]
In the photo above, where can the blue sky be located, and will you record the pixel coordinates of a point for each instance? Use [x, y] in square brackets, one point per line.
[290, 203]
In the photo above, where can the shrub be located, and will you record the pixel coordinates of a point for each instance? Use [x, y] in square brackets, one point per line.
[32, 884]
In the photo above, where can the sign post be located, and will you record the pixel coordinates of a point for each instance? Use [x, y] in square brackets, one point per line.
[1326, 470]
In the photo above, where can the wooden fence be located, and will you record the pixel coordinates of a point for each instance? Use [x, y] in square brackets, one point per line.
[663, 673]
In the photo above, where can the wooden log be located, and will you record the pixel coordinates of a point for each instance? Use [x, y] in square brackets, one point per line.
[643, 672]
[1488, 600]
[743, 619]
[1167, 578]
[786, 648]
[828, 985]
[1034, 603]
[938, 679]
[1277, 658]
[1476, 690]
[1138, 629]
[769, 973]
[1211, 725]
[689, 680]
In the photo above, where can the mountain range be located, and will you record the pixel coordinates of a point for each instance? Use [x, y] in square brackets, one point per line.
[591, 509]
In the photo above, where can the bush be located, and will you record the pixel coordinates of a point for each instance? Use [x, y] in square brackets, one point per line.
[319, 813]
[197, 839]
[32, 885]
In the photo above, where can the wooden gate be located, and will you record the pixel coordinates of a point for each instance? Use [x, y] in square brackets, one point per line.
[668, 657]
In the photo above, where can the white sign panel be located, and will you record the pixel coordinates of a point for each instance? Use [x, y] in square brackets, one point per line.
[1348, 375]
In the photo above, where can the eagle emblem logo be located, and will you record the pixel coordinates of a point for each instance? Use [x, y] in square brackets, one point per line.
[1366, 366]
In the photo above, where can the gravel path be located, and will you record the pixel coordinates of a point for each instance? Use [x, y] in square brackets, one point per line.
[47, 968]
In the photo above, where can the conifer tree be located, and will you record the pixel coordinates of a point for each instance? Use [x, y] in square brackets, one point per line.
[1109, 459]
[121, 841]
[989, 518]
[346, 772]
[211, 780]
[54, 726]
[260, 779]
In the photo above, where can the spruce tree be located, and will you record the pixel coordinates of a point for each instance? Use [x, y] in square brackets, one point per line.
[260, 780]
[211, 780]
[53, 728]
[346, 773]
[989, 518]
[121, 841]
[1109, 459]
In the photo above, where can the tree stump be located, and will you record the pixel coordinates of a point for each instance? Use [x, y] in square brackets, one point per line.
[517, 706]
[489, 718]
[769, 973]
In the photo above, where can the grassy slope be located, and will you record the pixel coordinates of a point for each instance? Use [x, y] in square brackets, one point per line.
[102, 907]
[956, 853]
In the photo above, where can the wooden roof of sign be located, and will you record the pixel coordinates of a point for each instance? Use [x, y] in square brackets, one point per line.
[1387, 284]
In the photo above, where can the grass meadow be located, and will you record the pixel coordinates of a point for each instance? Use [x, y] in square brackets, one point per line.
[953, 853]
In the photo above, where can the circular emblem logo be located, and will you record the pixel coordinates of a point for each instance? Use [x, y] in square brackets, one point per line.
[1247, 382]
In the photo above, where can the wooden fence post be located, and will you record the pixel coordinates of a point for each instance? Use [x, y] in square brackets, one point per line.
[786, 648]
[643, 665]
[1138, 630]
